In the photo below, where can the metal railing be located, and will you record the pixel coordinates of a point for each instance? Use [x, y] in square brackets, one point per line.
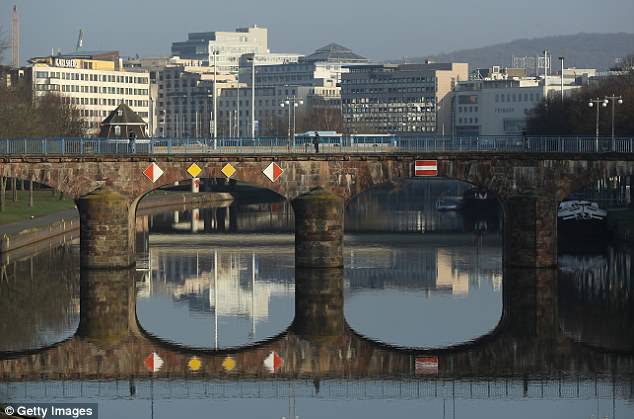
[355, 144]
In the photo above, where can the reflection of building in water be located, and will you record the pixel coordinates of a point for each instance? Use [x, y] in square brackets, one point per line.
[449, 277]
[232, 278]
[429, 267]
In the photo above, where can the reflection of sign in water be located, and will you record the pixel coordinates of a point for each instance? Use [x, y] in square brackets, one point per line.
[194, 364]
[228, 364]
[427, 365]
[153, 362]
[426, 168]
[273, 362]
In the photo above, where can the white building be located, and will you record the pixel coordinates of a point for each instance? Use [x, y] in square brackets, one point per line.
[500, 107]
[228, 47]
[95, 83]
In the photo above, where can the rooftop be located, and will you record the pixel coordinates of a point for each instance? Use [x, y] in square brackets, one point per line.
[335, 53]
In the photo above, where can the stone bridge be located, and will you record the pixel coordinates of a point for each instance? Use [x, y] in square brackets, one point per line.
[527, 343]
[107, 190]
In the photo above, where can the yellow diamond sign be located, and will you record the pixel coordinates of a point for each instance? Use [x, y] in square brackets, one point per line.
[194, 170]
[228, 170]
[229, 363]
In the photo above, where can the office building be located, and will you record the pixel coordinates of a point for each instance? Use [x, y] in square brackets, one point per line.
[501, 106]
[228, 47]
[400, 99]
[95, 83]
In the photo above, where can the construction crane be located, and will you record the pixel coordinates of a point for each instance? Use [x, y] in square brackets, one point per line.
[15, 38]
[80, 41]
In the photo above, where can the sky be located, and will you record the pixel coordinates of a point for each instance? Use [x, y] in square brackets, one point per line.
[378, 30]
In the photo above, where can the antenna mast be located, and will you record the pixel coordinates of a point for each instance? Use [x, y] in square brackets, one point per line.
[15, 38]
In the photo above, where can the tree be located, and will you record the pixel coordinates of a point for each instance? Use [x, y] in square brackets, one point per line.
[50, 115]
[573, 116]
[320, 119]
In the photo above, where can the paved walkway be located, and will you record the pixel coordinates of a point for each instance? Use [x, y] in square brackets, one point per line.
[41, 222]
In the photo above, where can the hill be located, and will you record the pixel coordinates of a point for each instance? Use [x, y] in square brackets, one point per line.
[583, 50]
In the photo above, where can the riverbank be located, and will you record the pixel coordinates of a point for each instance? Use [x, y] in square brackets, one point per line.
[24, 233]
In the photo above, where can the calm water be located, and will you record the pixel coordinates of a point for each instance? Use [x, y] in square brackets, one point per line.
[224, 278]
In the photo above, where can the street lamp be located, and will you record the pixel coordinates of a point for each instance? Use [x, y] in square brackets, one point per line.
[215, 126]
[595, 103]
[291, 104]
[614, 99]
[252, 61]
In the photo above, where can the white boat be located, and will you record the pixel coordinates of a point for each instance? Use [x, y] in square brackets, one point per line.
[580, 211]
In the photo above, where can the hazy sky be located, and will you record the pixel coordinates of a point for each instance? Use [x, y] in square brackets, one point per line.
[376, 29]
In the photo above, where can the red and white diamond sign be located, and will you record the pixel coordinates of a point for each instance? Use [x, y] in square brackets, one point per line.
[427, 365]
[153, 172]
[153, 362]
[273, 362]
[426, 168]
[273, 171]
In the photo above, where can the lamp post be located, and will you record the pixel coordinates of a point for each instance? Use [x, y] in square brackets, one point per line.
[595, 103]
[614, 99]
[291, 103]
[215, 126]
[252, 61]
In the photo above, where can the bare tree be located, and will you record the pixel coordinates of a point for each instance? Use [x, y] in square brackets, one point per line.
[321, 119]
[4, 44]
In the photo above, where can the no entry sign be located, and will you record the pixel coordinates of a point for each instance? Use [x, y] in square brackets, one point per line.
[426, 168]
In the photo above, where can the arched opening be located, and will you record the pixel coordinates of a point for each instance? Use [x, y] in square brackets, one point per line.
[217, 264]
[426, 255]
[39, 265]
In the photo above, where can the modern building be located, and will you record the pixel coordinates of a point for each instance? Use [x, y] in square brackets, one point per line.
[228, 47]
[400, 99]
[94, 82]
[182, 95]
[500, 106]
[234, 109]
[323, 68]
[315, 80]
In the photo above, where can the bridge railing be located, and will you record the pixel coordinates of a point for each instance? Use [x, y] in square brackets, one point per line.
[277, 145]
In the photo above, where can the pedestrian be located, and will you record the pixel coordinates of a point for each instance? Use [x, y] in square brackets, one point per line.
[316, 142]
[132, 140]
[525, 139]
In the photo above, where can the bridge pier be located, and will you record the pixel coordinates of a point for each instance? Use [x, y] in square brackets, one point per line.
[318, 230]
[531, 302]
[530, 232]
[318, 303]
[107, 305]
[106, 230]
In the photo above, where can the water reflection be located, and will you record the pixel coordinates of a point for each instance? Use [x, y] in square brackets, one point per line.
[233, 287]
[438, 291]
[226, 297]
[597, 298]
[39, 297]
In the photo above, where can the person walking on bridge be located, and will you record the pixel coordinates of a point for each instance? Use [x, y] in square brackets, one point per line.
[316, 142]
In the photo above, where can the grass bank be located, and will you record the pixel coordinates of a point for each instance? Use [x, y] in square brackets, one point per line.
[44, 203]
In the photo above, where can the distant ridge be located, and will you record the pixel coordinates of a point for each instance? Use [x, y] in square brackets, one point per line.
[589, 50]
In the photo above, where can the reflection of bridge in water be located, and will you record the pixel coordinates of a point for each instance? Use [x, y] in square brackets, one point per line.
[525, 355]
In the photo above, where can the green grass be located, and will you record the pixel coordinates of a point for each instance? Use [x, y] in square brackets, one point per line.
[44, 203]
